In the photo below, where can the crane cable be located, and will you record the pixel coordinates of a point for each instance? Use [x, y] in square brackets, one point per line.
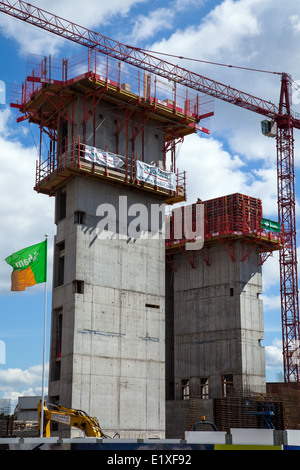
[293, 83]
[204, 61]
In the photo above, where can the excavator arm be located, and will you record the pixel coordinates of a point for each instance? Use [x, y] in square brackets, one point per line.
[71, 417]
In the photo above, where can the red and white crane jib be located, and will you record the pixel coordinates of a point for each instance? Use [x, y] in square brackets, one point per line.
[135, 56]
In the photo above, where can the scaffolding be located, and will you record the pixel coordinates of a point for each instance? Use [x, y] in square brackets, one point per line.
[278, 408]
[169, 97]
[48, 96]
[227, 219]
[111, 168]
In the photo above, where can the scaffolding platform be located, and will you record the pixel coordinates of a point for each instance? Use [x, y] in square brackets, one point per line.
[90, 73]
[228, 219]
[53, 173]
[47, 98]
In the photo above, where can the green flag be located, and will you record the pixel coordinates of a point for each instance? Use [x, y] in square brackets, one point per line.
[29, 266]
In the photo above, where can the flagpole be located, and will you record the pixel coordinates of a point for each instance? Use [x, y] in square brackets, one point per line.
[44, 345]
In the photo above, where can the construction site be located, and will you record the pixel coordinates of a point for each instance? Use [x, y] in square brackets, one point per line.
[156, 303]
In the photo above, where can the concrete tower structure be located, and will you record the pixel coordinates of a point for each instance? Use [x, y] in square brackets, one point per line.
[214, 310]
[218, 325]
[110, 131]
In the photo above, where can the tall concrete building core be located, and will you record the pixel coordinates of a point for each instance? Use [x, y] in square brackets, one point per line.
[214, 309]
[218, 325]
[111, 168]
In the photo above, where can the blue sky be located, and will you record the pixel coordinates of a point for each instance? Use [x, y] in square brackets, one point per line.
[234, 158]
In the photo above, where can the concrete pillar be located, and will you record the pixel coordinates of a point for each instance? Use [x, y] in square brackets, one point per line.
[108, 326]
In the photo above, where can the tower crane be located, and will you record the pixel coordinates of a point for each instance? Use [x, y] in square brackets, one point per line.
[282, 116]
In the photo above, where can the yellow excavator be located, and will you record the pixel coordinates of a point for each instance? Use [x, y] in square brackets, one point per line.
[71, 417]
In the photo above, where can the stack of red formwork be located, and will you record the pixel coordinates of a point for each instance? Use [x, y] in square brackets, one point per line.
[232, 214]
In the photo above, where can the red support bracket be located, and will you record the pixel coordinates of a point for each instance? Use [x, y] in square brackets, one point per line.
[250, 247]
[204, 253]
[171, 262]
[93, 104]
[264, 256]
[229, 246]
[142, 123]
[189, 256]
[60, 107]
[126, 117]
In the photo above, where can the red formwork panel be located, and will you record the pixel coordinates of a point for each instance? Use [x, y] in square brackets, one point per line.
[234, 213]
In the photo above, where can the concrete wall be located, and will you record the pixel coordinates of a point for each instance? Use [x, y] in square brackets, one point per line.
[148, 143]
[112, 363]
[218, 322]
[182, 415]
[177, 418]
[112, 360]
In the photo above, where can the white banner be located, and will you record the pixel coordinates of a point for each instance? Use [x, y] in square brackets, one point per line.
[92, 154]
[153, 175]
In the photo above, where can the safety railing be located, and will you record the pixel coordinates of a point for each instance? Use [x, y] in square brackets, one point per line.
[127, 170]
[223, 218]
[92, 64]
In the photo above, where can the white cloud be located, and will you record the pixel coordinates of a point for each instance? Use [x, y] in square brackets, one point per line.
[271, 274]
[264, 187]
[249, 33]
[211, 170]
[271, 302]
[11, 378]
[16, 382]
[226, 26]
[27, 214]
[219, 33]
[249, 141]
[92, 14]
[274, 355]
[147, 26]
[162, 19]
[5, 119]
[295, 23]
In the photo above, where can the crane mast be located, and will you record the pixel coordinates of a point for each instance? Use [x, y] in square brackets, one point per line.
[287, 218]
[281, 115]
